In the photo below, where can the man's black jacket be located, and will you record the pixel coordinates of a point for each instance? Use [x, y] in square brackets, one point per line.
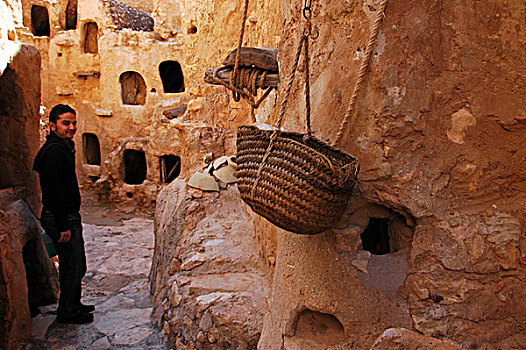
[55, 163]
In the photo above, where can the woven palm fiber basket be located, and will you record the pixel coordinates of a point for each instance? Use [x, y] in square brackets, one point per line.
[303, 187]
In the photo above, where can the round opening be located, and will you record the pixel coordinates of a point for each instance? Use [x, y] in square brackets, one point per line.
[192, 29]
[129, 194]
[153, 90]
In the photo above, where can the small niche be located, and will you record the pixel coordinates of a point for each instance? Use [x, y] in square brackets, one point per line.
[385, 235]
[321, 328]
[39, 21]
[171, 76]
[133, 88]
[375, 238]
[134, 167]
[71, 15]
[91, 146]
[170, 167]
[91, 44]
[192, 29]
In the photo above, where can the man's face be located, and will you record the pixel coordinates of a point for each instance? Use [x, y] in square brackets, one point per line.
[66, 125]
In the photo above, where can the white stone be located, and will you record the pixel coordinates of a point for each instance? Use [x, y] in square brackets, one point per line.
[361, 261]
[226, 174]
[132, 336]
[116, 321]
[204, 182]
[460, 121]
[102, 343]
[193, 262]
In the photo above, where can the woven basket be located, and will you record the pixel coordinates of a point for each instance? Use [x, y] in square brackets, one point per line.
[304, 186]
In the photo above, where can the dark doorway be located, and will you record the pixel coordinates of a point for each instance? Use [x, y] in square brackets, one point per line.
[91, 146]
[171, 76]
[39, 21]
[170, 166]
[134, 167]
[71, 15]
[91, 44]
[133, 88]
[375, 238]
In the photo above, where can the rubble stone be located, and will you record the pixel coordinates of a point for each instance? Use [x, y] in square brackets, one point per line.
[224, 300]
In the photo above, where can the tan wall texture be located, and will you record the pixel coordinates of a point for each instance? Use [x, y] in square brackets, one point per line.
[440, 135]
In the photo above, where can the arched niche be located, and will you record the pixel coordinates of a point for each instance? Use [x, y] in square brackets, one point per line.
[71, 15]
[91, 41]
[171, 76]
[39, 21]
[91, 147]
[319, 328]
[170, 167]
[386, 234]
[133, 88]
[191, 29]
[134, 167]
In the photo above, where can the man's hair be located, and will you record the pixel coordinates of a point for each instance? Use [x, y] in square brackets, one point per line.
[59, 110]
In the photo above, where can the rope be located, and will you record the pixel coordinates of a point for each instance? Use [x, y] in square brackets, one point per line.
[240, 43]
[351, 110]
[243, 81]
[274, 136]
[307, 81]
[245, 84]
[289, 83]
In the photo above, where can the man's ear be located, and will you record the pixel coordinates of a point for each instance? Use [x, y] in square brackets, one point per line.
[52, 126]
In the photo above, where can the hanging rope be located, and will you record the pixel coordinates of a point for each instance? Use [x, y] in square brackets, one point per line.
[238, 52]
[244, 80]
[304, 41]
[351, 110]
[245, 84]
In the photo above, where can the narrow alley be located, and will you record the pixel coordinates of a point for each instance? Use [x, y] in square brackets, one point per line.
[119, 247]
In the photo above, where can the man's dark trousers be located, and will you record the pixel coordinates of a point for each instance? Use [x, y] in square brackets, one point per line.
[72, 261]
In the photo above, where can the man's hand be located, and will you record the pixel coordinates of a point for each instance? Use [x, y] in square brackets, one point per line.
[65, 236]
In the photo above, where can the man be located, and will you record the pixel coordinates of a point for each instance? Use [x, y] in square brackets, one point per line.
[55, 163]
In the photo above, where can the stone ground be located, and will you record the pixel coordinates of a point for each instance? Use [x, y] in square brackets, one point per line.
[119, 248]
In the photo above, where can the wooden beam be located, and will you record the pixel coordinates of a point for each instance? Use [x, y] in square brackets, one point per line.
[272, 79]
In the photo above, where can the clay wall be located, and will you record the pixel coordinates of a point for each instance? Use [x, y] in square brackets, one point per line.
[439, 133]
[185, 32]
[27, 276]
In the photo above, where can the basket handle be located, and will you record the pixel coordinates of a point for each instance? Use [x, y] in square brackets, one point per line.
[284, 102]
[304, 41]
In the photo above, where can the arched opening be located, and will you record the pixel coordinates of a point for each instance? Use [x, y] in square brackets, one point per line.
[320, 328]
[133, 88]
[91, 146]
[192, 29]
[71, 15]
[375, 238]
[134, 167]
[170, 166]
[171, 76]
[91, 44]
[39, 21]
[385, 235]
